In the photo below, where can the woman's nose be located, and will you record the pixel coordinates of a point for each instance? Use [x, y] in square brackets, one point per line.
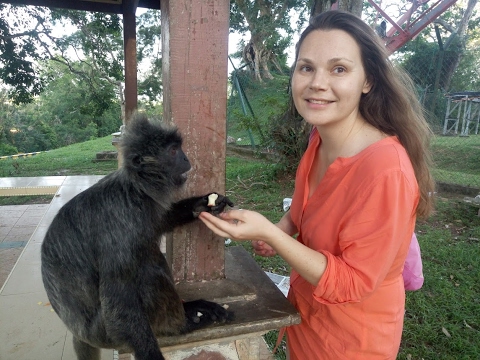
[319, 81]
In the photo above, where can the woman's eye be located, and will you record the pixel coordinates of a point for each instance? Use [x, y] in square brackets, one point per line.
[339, 70]
[304, 68]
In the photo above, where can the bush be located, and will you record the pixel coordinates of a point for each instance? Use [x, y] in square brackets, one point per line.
[289, 135]
[7, 149]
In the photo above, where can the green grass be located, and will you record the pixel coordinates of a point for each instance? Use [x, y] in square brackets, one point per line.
[449, 301]
[21, 200]
[450, 297]
[253, 185]
[77, 159]
[457, 160]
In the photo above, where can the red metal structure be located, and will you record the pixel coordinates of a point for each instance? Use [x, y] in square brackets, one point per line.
[414, 20]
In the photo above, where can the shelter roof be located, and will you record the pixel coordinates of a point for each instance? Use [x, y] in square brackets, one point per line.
[464, 95]
[109, 6]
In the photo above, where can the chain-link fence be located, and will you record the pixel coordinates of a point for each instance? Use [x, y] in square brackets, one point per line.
[454, 115]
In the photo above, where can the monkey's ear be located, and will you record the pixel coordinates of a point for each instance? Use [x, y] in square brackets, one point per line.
[137, 161]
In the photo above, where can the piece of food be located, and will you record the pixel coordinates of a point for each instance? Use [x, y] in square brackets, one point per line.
[211, 199]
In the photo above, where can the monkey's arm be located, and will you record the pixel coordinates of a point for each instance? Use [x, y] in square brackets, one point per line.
[187, 210]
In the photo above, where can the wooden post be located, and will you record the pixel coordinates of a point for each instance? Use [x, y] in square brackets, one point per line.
[130, 52]
[194, 52]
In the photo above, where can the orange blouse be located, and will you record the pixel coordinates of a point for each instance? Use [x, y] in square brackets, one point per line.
[361, 217]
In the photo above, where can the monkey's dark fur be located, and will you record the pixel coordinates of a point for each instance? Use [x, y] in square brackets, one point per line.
[102, 267]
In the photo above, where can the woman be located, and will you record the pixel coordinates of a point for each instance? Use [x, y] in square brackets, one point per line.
[358, 190]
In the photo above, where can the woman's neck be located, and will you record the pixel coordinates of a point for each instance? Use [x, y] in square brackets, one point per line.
[341, 143]
[342, 140]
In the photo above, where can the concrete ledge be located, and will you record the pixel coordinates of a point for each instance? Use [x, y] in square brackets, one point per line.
[28, 191]
[261, 308]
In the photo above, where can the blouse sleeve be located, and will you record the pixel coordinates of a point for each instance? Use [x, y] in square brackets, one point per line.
[370, 237]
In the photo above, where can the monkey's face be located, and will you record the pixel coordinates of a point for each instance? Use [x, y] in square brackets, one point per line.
[155, 152]
[180, 164]
[169, 163]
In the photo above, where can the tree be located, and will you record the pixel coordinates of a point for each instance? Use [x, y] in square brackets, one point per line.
[442, 60]
[457, 41]
[149, 50]
[21, 28]
[88, 113]
[93, 52]
[84, 65]
[6, 125]
[320, 6]
[265, 21]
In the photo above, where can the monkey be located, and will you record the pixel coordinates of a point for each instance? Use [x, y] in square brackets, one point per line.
[249, 55]
[382, 29]
[102, 267]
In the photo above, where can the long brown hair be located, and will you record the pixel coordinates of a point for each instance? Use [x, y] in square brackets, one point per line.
[391, 105]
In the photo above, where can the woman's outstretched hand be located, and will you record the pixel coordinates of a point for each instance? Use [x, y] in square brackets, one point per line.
[269, 239]
[239, 225]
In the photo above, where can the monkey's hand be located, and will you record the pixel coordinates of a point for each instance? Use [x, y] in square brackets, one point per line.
[213, 203]
[201, 313]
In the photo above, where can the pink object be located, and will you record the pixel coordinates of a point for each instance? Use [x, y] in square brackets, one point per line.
[413, 269]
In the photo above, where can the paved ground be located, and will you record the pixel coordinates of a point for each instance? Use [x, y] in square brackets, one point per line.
[17, 224]
[29, 328]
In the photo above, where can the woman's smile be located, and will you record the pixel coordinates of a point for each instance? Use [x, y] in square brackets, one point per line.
[319, 102]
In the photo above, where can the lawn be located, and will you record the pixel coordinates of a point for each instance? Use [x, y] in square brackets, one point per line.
[457, 160]
[76, 159]
[442, 320]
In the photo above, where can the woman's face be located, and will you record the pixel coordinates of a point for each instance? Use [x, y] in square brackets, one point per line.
[328, 78]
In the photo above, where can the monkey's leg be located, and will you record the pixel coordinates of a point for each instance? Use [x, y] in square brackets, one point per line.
[126, 321]
[85, 351]
[201, 313]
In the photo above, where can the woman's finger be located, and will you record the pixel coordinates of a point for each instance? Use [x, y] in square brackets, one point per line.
[232, 215]
[218, 226]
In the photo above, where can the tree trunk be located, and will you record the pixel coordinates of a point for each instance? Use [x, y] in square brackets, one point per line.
[122, 101]
[459, 43]
[257, 56]
[353, 6]
[438, 72]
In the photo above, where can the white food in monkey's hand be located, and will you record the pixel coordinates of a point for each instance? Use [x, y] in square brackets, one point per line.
[211, 199]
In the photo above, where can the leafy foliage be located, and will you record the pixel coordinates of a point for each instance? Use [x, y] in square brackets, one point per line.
[7, 149]
[66, 112]
[18, 52]
[78, 76]
[269, 25]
